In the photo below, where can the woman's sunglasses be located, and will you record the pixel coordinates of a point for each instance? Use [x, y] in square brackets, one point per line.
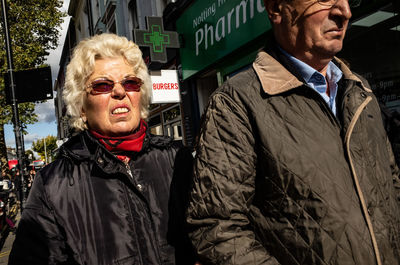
[104, 86]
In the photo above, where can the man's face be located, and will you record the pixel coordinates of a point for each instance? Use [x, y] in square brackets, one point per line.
[311, 31]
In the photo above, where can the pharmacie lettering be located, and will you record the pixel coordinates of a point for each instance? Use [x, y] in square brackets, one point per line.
[165, 86]
[221, 2]
[238, 15]
[209, 11]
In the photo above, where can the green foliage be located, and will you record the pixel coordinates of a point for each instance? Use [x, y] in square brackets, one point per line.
[34, 30]
[51, 145]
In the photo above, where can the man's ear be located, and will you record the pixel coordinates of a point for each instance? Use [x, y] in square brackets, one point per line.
[274, 9]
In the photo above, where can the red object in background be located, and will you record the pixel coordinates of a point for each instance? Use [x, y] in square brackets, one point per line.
[12, 163]
[38, 164]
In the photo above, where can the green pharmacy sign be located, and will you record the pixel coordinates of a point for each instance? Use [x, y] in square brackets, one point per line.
[156, 39]
[214, 29]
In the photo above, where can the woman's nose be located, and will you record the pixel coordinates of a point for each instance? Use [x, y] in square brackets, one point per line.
[118, 91]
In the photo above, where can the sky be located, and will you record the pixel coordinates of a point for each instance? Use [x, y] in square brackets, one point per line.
[47, 123]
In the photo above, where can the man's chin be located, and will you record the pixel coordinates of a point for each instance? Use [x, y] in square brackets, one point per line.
[331, 50]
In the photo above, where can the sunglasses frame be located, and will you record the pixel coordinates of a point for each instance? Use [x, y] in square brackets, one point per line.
[112, 83]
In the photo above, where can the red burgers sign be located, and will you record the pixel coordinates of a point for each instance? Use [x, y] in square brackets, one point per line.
[165, 88]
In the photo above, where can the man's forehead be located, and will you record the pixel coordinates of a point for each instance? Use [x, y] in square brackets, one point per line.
[292, 3]
[352, 3]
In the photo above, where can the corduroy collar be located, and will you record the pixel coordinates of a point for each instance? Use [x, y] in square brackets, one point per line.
[276, 79]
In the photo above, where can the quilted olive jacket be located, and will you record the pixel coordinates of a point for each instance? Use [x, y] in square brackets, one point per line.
[280, 180]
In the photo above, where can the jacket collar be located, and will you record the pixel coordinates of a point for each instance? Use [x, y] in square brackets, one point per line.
[275, 78]
[84, 146]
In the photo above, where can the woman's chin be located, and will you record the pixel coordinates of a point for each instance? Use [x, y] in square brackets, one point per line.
[116, 132]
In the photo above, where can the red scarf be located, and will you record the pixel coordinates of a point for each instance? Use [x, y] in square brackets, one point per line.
[123, 144]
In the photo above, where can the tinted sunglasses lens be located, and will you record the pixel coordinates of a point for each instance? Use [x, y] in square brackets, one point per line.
[102, 87]
[132, 84]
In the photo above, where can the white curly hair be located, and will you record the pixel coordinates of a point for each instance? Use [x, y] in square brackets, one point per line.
[81, 66]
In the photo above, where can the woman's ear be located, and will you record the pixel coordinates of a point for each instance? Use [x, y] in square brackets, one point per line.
[274, 10]
[83, 116]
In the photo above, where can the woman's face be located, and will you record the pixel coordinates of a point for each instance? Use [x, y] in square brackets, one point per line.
[116, 113]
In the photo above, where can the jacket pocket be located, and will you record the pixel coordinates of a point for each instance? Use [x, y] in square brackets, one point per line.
[133, 260]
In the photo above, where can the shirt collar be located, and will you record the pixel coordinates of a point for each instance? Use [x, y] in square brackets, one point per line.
[333, 73]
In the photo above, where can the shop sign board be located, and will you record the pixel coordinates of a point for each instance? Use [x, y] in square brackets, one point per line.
[157, 39]
[212, 29]
[165, 87]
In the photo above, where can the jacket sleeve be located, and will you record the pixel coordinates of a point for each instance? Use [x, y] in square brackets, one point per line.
[394, 168]
[39, 240]
[223, 188]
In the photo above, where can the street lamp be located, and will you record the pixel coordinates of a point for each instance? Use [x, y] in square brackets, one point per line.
[45, 150]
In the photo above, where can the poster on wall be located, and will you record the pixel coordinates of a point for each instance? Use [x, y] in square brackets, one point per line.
[165, 87]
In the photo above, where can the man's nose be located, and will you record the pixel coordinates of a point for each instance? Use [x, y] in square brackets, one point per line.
[342, 8]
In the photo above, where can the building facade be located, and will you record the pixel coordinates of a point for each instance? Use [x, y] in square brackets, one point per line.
[219, 38]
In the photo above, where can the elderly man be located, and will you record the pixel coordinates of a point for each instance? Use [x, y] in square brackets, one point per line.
[293, 164]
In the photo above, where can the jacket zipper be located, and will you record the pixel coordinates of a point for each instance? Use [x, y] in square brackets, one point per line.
[128, 168]
[356, 179]
[129, 171]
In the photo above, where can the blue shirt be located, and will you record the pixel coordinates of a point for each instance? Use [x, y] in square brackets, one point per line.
[317, 81]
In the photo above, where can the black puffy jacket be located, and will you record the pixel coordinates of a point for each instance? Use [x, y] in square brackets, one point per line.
[88, 207]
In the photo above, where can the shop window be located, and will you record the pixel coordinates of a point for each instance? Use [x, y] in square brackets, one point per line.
[171, 114]
[372, 48]
[167, 122]
[154, 124]
[172, 122]
[174, 130]
[154, 120]
[109, 16]
[112, 28]
[154, 106]
[156, 130]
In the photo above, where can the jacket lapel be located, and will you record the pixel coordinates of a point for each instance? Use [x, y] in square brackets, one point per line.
[274, 77]
[277, 77]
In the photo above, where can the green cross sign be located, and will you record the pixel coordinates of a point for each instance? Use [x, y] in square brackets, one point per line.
[156, 39]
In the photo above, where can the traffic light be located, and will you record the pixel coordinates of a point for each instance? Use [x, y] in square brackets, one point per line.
[31, 85]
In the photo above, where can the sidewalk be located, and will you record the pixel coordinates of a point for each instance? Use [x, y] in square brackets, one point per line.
[5, 251]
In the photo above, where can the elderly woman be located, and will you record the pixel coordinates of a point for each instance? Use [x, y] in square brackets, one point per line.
[105, 199]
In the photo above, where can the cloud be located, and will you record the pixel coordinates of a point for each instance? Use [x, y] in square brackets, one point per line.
[54, 55]
[46, 111]
[29, 138]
